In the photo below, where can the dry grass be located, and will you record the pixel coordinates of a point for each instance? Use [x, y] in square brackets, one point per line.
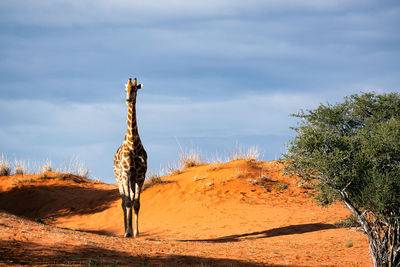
[152, 180]
[241, 173]
[349, 243]
[214, 167]
[23, 181]
[239, 152]
[190, 159]
[197, 178]
[5, 169]
[47, 166]
[20, 167]
[172, 169]
[281, 186]
[76, 167]
[193, 157]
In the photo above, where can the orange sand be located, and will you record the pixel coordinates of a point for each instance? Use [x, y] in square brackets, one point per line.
[219, 214]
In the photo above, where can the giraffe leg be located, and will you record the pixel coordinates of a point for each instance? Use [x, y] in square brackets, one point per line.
[136, 206]
[128, 217]
[124, 210]
[126, 194]
[125, 202]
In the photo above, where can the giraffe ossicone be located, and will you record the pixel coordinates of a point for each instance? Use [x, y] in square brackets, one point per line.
[130, 163]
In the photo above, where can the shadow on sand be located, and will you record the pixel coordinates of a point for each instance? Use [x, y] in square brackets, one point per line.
[38, 202]
[286, 230]
[23, 253]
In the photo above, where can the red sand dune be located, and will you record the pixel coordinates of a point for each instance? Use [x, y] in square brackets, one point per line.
[219, 214]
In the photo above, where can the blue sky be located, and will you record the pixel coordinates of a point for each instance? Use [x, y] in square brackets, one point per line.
[215, 72]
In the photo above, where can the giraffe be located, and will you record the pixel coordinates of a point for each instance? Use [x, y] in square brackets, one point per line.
[130, 163]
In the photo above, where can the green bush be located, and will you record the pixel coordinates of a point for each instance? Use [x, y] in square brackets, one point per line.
[352, 151]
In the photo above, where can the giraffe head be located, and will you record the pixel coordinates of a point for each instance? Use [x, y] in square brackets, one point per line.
[131, 90]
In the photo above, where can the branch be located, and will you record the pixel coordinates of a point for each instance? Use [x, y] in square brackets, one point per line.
[348, 184]
[333, 186]
[364, 223]
[365, 212]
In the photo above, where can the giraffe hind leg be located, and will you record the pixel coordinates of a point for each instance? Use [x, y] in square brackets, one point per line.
[136, 206]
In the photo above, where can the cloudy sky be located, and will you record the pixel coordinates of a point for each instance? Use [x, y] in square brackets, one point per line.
[215, 72]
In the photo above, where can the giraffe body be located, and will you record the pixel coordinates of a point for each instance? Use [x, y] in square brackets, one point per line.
[130, 164]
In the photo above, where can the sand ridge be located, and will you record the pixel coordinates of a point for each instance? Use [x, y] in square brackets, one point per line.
[236, 213]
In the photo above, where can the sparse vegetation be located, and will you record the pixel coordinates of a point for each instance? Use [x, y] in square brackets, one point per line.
[153, 179]
[20, 167]
[47, 166]
[5, 169]
[76, 167]
[265, 179]
[190, 159]
[210, 184]
[349, 243]
[214, 167]
[172, 169]
[197, 178]
[305, 184]
[193, 157]
[281, 186]
[239, 173]
[255, 182]
[239, 153]
[23, 181]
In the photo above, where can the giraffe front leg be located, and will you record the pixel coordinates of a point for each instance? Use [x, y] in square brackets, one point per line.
[126, 194]
[136, 206]
[125, 202]
[128, 217]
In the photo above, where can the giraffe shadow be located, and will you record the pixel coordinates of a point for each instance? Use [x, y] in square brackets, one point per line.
[32, 253]
[281, 231]
[105, 233]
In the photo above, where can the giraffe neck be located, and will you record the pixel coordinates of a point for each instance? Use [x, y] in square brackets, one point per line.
[132, 135]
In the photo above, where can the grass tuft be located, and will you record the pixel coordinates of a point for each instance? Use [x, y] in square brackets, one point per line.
[5, 169]
[153, 179]
[23, 181]
[265, 179]
[214, 167]
[190, 159]
[239, 173]
[349, 243]
[281, 187]
[47, 166]
[239, 153]
[172, 169]
[20, 167]
[76, 167]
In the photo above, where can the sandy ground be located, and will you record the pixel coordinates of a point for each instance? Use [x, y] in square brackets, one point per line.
[239, 213]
